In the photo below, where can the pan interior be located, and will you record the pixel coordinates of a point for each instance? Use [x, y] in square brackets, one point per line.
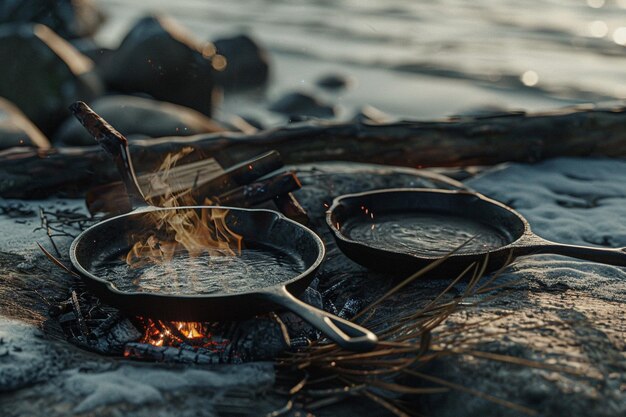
[424, 233]
[257, 266]
[269, 257]
[429, 224]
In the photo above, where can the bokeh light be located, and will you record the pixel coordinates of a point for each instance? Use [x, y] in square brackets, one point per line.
[596, 4]
[619, 36]
[530, 78]
[598, 29]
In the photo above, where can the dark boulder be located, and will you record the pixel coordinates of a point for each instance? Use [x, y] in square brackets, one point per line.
[301, 104]
[247, 63]
[42, 73]
[68, 18]
[17, 130]
[93, 51]
[138, 117]
[160, 58]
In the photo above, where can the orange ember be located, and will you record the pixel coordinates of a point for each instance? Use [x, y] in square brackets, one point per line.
[176, 333]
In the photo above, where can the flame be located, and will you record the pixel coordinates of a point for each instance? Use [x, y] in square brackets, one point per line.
[176, 333]
[195, 232]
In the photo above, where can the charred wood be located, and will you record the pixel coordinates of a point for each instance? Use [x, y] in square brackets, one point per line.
[116, 145]
[290, 207]
[205, 178]
[259, 192]
[144, 351]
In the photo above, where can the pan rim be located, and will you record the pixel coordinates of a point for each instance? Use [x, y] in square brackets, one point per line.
[321, 253]
[337, 201]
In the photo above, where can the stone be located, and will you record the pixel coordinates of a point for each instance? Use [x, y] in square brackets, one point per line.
[68, 18]
[160, 58]
[302, 104]
[247, 63]
[43, 74]
[242, 124]
[17, 130]
[138, 117]
[88, 47]
[333, 82]
[254, 122]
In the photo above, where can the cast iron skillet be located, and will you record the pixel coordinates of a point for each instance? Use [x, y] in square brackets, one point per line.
[512, 229]
[109, 238]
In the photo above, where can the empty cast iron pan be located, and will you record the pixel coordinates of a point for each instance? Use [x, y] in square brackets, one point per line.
[102, 246]
[403, 230]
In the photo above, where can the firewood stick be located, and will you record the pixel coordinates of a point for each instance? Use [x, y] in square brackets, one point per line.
[115, 144]
[290, 207]
[243, 196]
[111, 198]
[240, 174]
[259, 192]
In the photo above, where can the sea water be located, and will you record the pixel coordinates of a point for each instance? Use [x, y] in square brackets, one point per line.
[414, 59]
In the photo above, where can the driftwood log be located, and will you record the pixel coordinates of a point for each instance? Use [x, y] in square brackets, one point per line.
[462, 141]
[205, 178]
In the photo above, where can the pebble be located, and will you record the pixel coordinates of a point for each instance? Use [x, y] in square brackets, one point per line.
[302, 104]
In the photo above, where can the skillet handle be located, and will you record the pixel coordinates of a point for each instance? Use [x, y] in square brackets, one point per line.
[348, 335]
[536, 245]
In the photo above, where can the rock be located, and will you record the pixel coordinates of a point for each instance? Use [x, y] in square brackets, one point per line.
[299, 118]
[45, 74]
[22, 356]
[333, 81]
[68, 18]
[246, 63]
[160, 58]
[92, 50]
[17, 130]
[489, 111]
[241, 124]
[137, 117]
[301, 104]
[254, 122]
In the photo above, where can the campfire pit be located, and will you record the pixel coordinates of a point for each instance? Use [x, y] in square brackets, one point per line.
[265, 232]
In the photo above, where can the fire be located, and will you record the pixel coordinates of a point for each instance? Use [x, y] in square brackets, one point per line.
[177, 333]
[195, 232]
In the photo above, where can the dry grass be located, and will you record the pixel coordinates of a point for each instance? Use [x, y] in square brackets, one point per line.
[394, 371]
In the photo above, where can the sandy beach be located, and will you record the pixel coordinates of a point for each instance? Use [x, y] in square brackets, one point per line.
[365, 174]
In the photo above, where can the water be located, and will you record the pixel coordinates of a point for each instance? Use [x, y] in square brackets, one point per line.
[424, 234]
[256, 268]
[416, 59]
